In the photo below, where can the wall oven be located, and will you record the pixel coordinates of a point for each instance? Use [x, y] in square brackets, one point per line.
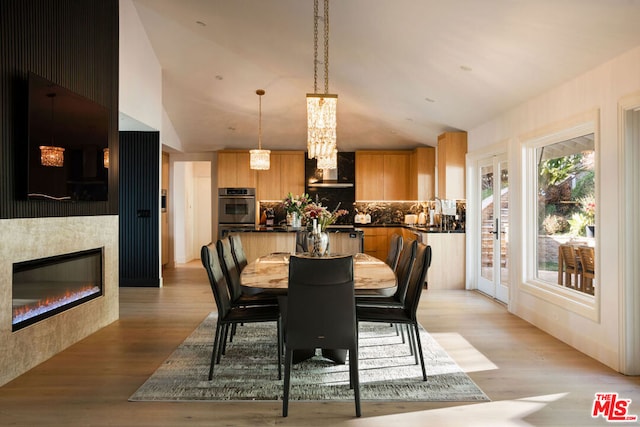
[236, 208]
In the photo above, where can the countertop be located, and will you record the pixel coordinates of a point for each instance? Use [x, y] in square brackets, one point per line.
[417, 228]
[342, 229]
[285, 229]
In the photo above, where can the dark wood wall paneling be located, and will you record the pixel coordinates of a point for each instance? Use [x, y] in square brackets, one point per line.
[139, 208]
[74, 44]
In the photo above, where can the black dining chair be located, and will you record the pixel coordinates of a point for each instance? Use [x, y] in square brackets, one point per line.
[238, 252]
[233, 315]
[403, 273]
[395, 248]
[231, 273]
[407, 314]
[321, 314]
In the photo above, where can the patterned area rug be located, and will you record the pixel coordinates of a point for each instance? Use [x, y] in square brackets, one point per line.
[249, 370]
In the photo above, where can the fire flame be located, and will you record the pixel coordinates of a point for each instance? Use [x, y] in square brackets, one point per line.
[27, 311]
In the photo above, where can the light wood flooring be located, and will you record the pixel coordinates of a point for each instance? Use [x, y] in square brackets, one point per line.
[531, 378]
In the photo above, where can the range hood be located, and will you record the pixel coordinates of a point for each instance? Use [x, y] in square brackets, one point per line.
[330, 180]
[341, 177]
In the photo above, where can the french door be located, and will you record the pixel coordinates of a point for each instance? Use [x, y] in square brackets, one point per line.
[493, 189]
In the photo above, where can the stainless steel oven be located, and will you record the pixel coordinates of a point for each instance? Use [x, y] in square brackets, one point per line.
[237, 206]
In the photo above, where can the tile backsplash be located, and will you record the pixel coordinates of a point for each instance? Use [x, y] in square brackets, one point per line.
[385, 213]
[382, 212]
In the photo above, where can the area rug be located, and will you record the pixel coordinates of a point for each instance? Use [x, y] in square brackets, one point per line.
[249, 371]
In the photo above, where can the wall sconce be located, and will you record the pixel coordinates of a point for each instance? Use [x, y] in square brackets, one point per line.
[105, 158]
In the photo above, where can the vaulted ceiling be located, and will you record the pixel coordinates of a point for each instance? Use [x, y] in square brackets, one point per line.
[404, 70]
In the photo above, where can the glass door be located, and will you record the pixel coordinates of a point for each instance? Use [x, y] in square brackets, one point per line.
[494, 227]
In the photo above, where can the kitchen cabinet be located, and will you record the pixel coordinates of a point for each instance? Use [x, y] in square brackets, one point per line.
[286, 174]
[369, 175]
[452, 149]
[422, 174]
[234, 170]
[376, 240]
[382, 175]
[396, 176]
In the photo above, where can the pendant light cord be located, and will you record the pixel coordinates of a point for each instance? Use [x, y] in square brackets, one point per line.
[260, 92]
[316, 18]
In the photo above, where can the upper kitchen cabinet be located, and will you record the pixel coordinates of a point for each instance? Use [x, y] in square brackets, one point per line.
[452, 148]
[422, 174]
[383, 175]
[369, 175]
[234, 170]
[286, 174]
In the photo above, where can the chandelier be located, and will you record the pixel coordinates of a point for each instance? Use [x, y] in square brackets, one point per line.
[330, 161]
[321, 108]
[259, 159]
[50, 155]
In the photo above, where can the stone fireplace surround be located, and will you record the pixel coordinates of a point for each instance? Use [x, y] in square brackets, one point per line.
[33, 238]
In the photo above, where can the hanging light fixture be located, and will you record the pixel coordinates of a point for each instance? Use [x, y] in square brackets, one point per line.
[328, 162]
[50, 155]
[259, 159]
[321, 108]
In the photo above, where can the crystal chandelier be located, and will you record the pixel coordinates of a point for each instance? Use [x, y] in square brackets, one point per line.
[329, 161]
[259, 159]
[50, 155]
[321, 108]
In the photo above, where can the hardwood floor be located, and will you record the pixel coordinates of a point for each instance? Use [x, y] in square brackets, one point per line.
[531, 378]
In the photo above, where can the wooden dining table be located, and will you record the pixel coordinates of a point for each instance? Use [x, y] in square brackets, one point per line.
[272, 272]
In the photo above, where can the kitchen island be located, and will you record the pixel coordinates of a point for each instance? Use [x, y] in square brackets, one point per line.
[260, 240]
[447, 269]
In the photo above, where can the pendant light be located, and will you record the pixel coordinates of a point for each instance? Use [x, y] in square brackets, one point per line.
[321, 108]
[50, 155]
[259, 159]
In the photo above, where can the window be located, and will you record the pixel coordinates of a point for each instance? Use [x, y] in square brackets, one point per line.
[566, 211]
[560, 223]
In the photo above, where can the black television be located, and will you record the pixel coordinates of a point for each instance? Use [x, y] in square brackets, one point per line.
[68, 142]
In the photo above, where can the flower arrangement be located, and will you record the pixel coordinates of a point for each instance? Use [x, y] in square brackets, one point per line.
[325, 217]
[296, 204]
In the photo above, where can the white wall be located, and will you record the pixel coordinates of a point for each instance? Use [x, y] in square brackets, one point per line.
[140, 94]
[192, 206]
[599, 89]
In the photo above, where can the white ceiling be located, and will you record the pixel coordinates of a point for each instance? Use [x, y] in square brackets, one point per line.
[404, 70]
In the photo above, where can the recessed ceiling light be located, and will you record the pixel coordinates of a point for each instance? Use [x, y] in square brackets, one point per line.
[465, 68]
[202, 24]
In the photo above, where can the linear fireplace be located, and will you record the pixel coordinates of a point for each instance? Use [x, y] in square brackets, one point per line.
[45, 287]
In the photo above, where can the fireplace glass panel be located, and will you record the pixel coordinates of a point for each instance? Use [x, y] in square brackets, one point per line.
[45, 287]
